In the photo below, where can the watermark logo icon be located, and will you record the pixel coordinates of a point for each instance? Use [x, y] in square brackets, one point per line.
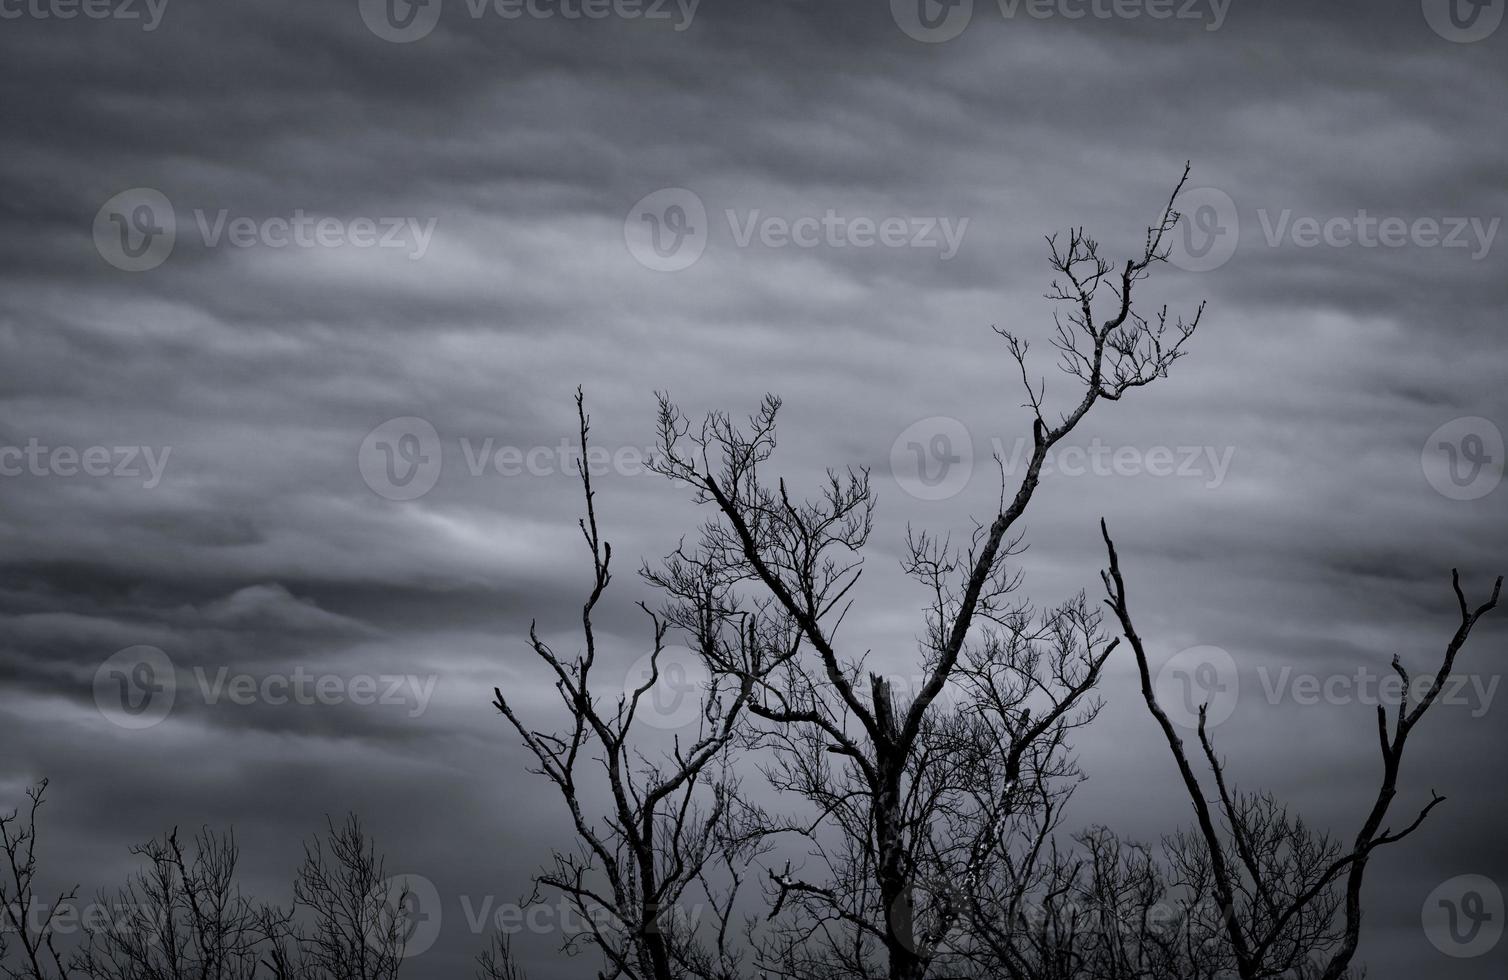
[1198, 677]
[401, 458]
[932, 21]
[1207, 232]
[1463, 459]
[401, 21]
[667, 230]
[1463, 917]
[135, 688]
[408, 908]
[673, 684]
[1464, 21]
[136, 229]
[933, 459]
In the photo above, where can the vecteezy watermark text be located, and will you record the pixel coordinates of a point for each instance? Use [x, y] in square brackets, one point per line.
[405, 21]
[402, 458]
[137, 688]
[147, 12]
[136, 230]
[1364, 685]
[935, 21]
[1370, 231]
[934, 459]
[669, 229]
[124, 462]
[1209, 230]
[69, 917]
[302, 686]
[1206, 678]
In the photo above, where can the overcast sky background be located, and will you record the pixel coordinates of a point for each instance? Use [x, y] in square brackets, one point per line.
[1322, 376]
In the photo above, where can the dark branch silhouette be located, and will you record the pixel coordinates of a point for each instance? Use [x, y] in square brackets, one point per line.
[866, 760]
[1274, 881]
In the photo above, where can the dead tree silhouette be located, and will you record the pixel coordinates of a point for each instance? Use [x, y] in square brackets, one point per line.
[931, 819]
[873, 766]
[670, 818]
[184, 916]
[1288, 899]
[34, 954]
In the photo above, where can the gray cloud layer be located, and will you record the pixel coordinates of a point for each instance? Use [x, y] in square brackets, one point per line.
[1322, 371]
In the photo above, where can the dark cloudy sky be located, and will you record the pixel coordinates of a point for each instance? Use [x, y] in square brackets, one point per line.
[239, 515]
